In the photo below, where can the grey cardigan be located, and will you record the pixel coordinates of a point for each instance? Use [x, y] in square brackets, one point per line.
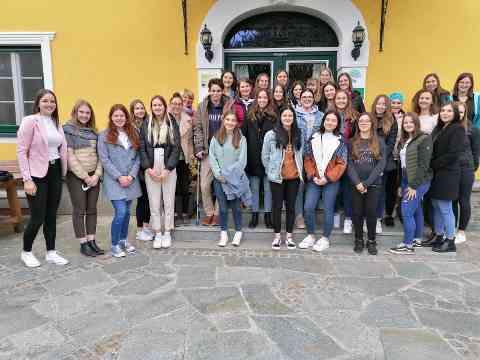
[118, 161]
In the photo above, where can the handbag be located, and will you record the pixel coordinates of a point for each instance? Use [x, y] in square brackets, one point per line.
[335, 169]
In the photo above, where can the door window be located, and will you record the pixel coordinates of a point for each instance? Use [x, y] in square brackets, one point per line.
[251, 69]
[303, 70]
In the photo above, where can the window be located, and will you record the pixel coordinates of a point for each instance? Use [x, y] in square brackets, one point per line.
[21, 76]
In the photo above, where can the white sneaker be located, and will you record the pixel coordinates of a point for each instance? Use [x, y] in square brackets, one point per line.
[276, 242]
[460, 238]
[336, 221]
[321, 244]
[237, 238]
[29, 259]
[379, 229]
[118, 252]
[347, 226]
[144, 235]
[53, 258]
[158, 241]
[126, 246]
[223, 239]
[307, 242]
[167, 240]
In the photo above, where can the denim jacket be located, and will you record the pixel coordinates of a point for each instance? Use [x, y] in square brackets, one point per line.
[272, 158]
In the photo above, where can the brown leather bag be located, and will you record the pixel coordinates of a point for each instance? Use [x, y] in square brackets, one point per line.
[335, 169]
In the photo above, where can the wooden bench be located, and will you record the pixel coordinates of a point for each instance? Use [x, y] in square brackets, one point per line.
[15, 219]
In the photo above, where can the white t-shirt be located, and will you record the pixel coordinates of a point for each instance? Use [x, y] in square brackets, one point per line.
[428, 122]
[54, 138]
[123, 139]
[403, 154]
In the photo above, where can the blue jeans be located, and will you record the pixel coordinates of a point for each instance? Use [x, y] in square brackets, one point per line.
[224, 204]
[299, 199]
[120, 221]
[412, 212]
[443, 218]
[312, 196]
[345, 196]
[255, 188]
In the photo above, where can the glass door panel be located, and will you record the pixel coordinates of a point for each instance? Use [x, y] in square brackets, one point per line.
[251, 69]
[305, 69]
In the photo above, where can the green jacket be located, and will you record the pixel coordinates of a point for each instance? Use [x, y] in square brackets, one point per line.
[419, 153]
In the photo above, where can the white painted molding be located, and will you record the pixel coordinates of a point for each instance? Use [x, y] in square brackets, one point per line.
[41, 39]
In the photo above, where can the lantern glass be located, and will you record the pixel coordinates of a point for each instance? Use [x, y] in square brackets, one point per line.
[358, 34]
[206, 37]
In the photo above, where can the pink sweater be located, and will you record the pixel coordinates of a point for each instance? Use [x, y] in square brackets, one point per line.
[32, 148]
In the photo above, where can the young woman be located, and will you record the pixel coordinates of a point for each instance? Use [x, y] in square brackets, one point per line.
[228, 157]
[348, 119]
[118, 151]
[297, 88]
[396, 103]
[431, 82]
[415, 150]
[229, 84]
[244, 99]
[309, 120]
[282, 79]
[326, 75]
[327, 96]
[260, 119]
[188, 97]
[279, 99]
[139, 115]
[448, 145]
[282, 157]
[262, 82]
[366, 162]
[423, 104]
[469, 161]
[42, 158]
[313, 85]
[387, 129]
[159, 154]
[463, 92]
[345, 83]
[182, 188]
[326, 145]
[83, 176]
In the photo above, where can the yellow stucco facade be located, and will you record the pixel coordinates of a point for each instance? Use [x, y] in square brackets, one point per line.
[113, 51]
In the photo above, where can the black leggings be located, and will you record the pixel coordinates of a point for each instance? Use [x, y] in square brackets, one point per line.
[365, 206]
[286, 191]
[143, 206]
[467, 178]
[182, 190]
[43, 207]
[391, 188]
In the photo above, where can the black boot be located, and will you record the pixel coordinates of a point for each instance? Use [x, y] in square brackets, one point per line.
[86, 250]
[389, 221]
[93, 245]
[254, 221]
[447, 245]
[433, 241]
[372, 247]
[268, 220]
[359, 245]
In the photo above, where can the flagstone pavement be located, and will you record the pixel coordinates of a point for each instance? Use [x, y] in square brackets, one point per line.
[196, 301]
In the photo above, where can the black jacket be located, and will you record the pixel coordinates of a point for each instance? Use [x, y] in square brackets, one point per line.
[469, 159]
[448, 145]
[254, 132]
[390, 141]
[171, 151]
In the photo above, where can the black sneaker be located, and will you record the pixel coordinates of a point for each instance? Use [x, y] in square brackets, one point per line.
[402, 249]
[417, 243]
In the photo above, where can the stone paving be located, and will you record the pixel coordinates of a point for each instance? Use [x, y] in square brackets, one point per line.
[196, 301]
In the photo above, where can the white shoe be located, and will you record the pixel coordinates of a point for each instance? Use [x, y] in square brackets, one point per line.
[460, 238]
[53, 258]
[158, 241]
[167, 240]
[118, 252]
[307, 242]
[378, 228]
[126, 246]
[321, 244]
[144, 235]
[347, 226]
[223, 239]
[336, 221]
[276, 242]
[29, 259]
[237, 238]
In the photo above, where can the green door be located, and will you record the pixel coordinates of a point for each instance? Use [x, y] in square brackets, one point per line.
[300, 65]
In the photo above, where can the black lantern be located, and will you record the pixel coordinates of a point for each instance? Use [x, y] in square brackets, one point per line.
[206, 40]
[358, 37]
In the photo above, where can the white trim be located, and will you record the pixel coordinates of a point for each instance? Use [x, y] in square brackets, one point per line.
[41, 39]
[8, 140]
[257, 50]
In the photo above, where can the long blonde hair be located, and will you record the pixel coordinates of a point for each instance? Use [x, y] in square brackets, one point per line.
[387, 118]
[154, 125]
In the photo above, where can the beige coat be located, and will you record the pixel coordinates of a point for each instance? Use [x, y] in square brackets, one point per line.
[186, 136]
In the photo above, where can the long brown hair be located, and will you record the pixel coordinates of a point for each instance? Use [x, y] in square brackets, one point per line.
[317, 93]
[255, 111]
[221, 134]
[74, 114]
[132, 133]
[416, 98]
[132, 114]
[349, 113]
[373, 140]
[387, 118]
[439, 90]
[461, 77]
[36, 104]
[464, 122]
[404, 135]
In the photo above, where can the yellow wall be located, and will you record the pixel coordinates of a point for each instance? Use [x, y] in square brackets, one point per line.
[113, 51]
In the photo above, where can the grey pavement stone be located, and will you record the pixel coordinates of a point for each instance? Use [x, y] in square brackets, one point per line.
[8, 351]
[466, 324]
[242, 275]
[22, 296]
[473, 277]
[251, 261]
[330, 299]
[418, 344]
[449, 267]
[195, 276]
[10, 280]
[414, 270]
[298, 338]
[14, 320]
[76, 281]
[419, 297]
[261, 300]
[373, 287]
[472, 296]
[229, 323]
[363, 268]
[445, 289]
[130, 262]
[389, 312]
[220, 300]
[317, 264]
[36, 341]
[192, 260]
[141, 286]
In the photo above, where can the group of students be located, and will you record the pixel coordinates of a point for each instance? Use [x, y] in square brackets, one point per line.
[285, 146]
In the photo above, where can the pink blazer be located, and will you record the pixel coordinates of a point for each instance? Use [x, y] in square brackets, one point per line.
[32, 148]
